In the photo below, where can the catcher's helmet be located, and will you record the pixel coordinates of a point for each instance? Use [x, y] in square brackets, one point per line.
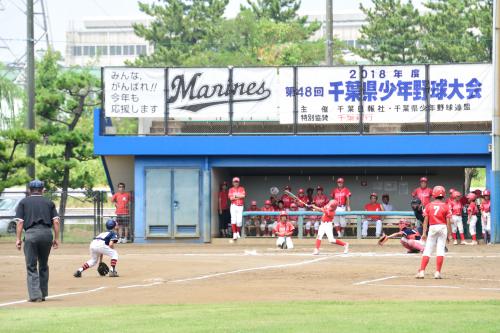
[35, 183]
[438, 191]
[471, 196]
[486, 192]
[110, 224]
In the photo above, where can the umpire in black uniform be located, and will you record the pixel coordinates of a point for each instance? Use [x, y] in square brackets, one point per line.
[37, 216]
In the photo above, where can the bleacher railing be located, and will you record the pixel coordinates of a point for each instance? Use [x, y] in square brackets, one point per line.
[301, 214]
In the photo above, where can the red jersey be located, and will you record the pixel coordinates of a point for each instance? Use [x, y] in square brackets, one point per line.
[374, 207]
[303, 198]
[223, 199]
[437, 212]
[456, 208]
[292, 217]
[329, 212]
[122, 202]
[472, 209]
[283, 228]
[424, 194]
[267, 209]
[240, 190]
[287, 200]
[253, 208]
[341, 195]
[320, 200]
[485, 206]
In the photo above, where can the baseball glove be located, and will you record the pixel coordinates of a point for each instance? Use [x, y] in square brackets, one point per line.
[103, 269]
[382, 240]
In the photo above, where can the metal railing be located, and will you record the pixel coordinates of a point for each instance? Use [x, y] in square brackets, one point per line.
[301, 214]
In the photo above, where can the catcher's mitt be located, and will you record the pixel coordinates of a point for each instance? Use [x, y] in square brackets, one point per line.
[103, 269]
[382, 240]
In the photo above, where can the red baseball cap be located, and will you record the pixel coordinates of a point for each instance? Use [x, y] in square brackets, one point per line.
[424, 179]
[267, 202]
[293, 205]
[254, 203]
[486, 192]
[288, 187]
[319, 188]
[236, 179]
[301, 190]
[340, 180]
[374, 195]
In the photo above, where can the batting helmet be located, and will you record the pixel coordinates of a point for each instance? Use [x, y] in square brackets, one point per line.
[424, 179]
[438, 191]
[486, 192]
[340, 180]
[456, 194]
[254, 203]
[35, 183]
[283, 213]
[110, 224]
[471, 196]
[267, 202]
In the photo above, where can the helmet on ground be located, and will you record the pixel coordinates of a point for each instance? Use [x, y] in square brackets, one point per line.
[340, 180]
[471, 196]
[456, 194]
[110, 224]
[35, 183]
[267, 202]
[486, 192]
[283, 213]
[416, 201]
[424, 179]
[438, 191]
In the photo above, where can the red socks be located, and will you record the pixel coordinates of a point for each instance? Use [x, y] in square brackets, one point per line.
[439, 263]
[85, 266]
[318, 243]
[233, 228]
[238, 229]
[425, 261]
[462, 237]
[454, 235]
[338, 229]
[474, 237]
[339, 242]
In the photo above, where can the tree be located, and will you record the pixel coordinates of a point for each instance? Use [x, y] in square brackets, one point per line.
[276, 10]
[63, 98]
[457, 31]
[9, 92]
[180, 29]
[13, 167]
[392, 33]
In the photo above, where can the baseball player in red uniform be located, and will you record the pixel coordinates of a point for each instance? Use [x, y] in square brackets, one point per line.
[303, 199]
[450, 195]
[472, 217]
[319, 200]
[456, 218]
[437, 230]
[373, 206]
[294, 220]
[253, 222]
[326, 226]
[424, 193]
[342, 195]
[266, 221]
[485, 216]
[284, 230]
[237, 197]
[287, 200]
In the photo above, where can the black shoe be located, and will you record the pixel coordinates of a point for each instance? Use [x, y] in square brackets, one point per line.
[77, 274]
[36, 300]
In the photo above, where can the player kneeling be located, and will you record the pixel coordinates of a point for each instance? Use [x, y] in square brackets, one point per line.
[284, 230]
[437, 225]
[103, 244]
[410, 237]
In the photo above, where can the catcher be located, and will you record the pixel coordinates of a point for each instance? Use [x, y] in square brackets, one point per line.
[410, 238]
[103, 244]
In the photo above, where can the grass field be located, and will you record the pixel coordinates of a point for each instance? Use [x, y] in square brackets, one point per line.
[372, 317]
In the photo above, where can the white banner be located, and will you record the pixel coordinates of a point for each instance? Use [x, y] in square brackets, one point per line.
[134, 92]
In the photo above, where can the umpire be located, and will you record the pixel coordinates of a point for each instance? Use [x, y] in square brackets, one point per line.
[37, 216]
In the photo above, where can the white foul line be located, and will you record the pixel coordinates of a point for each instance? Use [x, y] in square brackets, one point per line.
[56, 296]
[376, 280]
[140, 285]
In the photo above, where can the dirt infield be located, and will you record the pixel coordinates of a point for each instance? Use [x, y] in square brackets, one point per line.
[253, 270]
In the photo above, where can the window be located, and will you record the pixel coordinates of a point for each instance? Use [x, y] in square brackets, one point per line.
[125, 49]
[128, 50]
[102, 50]
[86, 50]
[140, 49]
[118, 49]
[77, 51]
[92, 51]
[112, 50]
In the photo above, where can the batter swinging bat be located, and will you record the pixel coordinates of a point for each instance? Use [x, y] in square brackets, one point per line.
[290, 194]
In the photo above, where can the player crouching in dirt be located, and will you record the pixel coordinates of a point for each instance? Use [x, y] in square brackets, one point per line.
[103, 244]
[410, 237]
[284, 230]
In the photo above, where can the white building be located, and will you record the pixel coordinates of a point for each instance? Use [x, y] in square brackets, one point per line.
[104, 42]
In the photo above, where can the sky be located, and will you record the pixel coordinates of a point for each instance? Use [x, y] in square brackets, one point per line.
[62, 12]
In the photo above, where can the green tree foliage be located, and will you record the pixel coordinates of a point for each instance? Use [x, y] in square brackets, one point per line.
[392, 33]
[457, 31]
[12, 164]
[180, 29]
[9, 92]
[63, 99]
[276, 10]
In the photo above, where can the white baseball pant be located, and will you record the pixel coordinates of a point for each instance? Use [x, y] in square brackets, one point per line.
[288, 240]
[236, 215]
[378, 228]
[98, 247]
[472, 224]
[486, 222]
[436, 238]
[340, 220]
[456, 223]
[326, 228]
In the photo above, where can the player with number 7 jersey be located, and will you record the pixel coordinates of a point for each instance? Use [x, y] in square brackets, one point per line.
[437, 231]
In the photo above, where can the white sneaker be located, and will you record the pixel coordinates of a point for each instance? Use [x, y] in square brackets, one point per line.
[346, 248]
[235, 236]
[420, 275]
[473, 242]
[124, 241]
[315, 252]
[238, 235]
[455, 242]
[437, 275]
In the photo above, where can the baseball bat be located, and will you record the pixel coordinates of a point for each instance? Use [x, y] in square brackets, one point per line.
[290, 194]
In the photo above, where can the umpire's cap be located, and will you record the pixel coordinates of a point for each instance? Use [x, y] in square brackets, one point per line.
[36, 184]
[416, 201]
[110, 224]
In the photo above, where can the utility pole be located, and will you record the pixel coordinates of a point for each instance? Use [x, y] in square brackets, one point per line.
[30, 80]
[329, 32]
[495, 207]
